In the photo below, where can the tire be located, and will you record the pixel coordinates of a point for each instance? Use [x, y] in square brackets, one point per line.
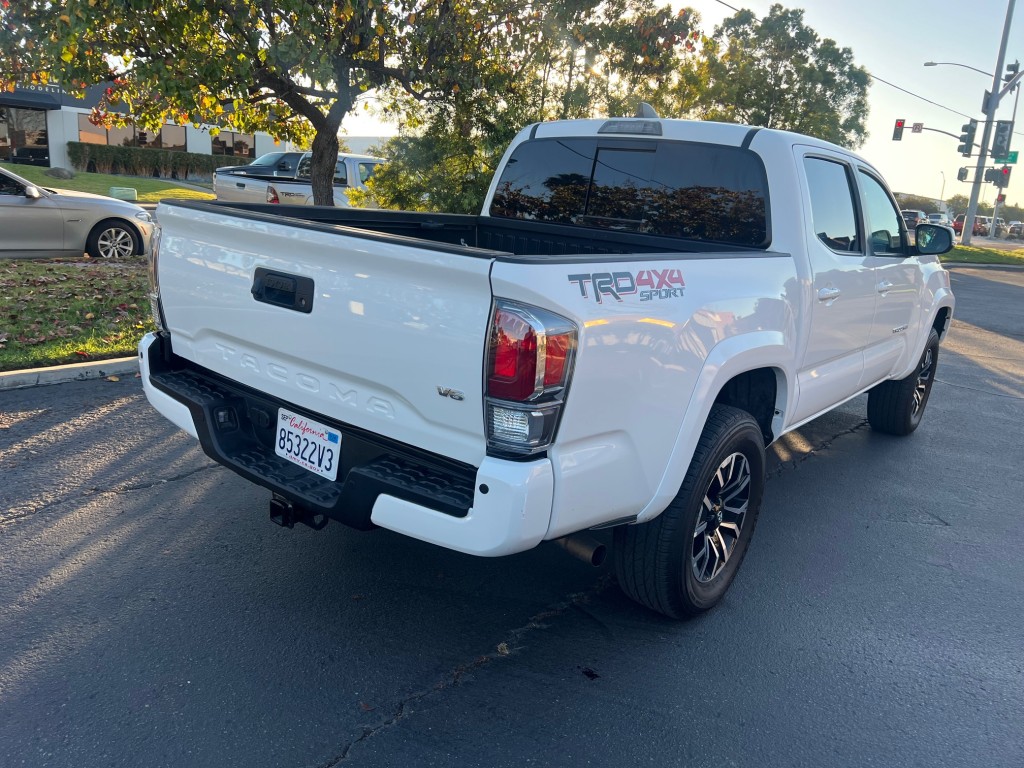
[896, 407]
[112, 239]
[666, 564]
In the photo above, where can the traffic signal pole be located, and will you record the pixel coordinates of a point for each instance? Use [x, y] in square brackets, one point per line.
[990, 113]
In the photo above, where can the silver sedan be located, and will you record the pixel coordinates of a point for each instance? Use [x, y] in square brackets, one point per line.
[35, 221]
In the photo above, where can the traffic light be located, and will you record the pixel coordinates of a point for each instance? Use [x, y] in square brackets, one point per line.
[1003, 177]
[897, 131]
[1001, 142]
[967, 138]
[1011, 70]
[961, 175]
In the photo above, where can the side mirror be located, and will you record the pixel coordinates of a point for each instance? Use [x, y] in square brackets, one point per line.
[933, 239]
[32, 192]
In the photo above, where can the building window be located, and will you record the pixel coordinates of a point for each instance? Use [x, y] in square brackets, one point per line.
[23, 137]
[172, 137]
[122, 137]
[232, 143]
[89, 133]
[5, 137]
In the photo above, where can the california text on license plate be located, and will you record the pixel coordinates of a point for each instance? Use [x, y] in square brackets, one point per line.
[310, 444]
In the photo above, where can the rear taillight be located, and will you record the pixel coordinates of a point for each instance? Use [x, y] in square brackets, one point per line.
[529, 363]
[272, 195]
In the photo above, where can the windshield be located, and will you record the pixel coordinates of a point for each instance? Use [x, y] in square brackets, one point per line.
[268, 159]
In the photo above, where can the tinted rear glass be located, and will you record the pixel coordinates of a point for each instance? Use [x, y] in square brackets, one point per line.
[673, 189]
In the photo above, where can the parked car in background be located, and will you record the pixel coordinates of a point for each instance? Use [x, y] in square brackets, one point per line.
[38, 221]
[981, 225]
[350, 172]
[913, 218]
[938, 218]
[1014, 229]
[958, 223]
[281, 164]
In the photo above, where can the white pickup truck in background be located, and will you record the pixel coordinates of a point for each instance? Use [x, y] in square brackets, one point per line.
[350, 172]
[641, 308]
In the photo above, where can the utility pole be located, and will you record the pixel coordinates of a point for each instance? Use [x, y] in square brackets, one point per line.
[990, 106]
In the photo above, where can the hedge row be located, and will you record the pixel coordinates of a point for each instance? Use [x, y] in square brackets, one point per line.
[136, 161]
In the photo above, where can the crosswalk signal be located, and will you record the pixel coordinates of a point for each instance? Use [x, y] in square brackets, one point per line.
[967, 138]
[897, 131]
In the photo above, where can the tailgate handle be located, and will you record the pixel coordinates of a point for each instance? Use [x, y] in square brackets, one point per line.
[283, 290]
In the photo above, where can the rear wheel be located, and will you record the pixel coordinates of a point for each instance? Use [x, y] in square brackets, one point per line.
[682, 562]
[112, 239]
[896, 407]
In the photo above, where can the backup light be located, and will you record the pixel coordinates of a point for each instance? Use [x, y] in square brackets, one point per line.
[529, 363]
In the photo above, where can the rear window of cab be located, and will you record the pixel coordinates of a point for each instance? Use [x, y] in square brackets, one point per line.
[685, 190]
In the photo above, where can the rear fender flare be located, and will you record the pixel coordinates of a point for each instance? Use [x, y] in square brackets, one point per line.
[730, 358]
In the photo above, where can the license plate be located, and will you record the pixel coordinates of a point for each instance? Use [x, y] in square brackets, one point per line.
[310, 444]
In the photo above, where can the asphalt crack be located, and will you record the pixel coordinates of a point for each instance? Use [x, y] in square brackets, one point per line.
[17, 514]
[976, 389]
[509, 646]
[824, 445]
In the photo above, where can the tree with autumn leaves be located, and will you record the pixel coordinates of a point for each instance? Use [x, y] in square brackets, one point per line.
[460, 76]
[293, 68]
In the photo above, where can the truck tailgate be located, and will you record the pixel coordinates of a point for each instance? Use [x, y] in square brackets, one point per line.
[381, 332]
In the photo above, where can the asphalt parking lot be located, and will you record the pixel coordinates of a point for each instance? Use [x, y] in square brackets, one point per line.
[151, 615]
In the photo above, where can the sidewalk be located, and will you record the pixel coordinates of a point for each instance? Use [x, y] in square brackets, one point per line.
[58, 374]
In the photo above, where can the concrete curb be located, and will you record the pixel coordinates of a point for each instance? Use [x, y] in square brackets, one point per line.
[59, 374]
[981, 266]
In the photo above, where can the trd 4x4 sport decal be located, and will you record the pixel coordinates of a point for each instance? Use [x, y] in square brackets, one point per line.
[648, 283]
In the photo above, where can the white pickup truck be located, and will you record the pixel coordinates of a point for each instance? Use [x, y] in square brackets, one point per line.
[350, 172]
[641, 308]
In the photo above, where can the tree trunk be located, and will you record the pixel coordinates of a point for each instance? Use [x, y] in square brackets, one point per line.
[325, 158]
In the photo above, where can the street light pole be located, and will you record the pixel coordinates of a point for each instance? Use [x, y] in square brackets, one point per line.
[942, 194]
[990, 113]
[955, 64]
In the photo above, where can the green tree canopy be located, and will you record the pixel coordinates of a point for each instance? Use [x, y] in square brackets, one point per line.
[294, 68]
[910, 202]
[777, 72]
[584, 59]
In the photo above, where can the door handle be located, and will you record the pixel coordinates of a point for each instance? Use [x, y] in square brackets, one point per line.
[884, 287]
[828, 294]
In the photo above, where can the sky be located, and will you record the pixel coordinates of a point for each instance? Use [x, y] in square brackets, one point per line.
[892, 39]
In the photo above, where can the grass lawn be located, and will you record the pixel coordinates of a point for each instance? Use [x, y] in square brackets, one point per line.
[150, 190]
[71, 311]
[969, 254]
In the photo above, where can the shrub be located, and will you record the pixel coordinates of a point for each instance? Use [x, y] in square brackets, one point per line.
[138, 161]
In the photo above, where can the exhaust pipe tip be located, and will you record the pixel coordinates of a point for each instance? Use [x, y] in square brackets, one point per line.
[584, 548]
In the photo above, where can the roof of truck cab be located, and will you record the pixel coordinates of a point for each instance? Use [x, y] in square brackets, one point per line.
[672, 128]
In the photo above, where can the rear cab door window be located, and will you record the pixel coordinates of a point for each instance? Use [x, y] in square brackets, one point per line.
[842, 291]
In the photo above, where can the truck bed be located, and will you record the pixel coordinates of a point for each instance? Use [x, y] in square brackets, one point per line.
[509, 239]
